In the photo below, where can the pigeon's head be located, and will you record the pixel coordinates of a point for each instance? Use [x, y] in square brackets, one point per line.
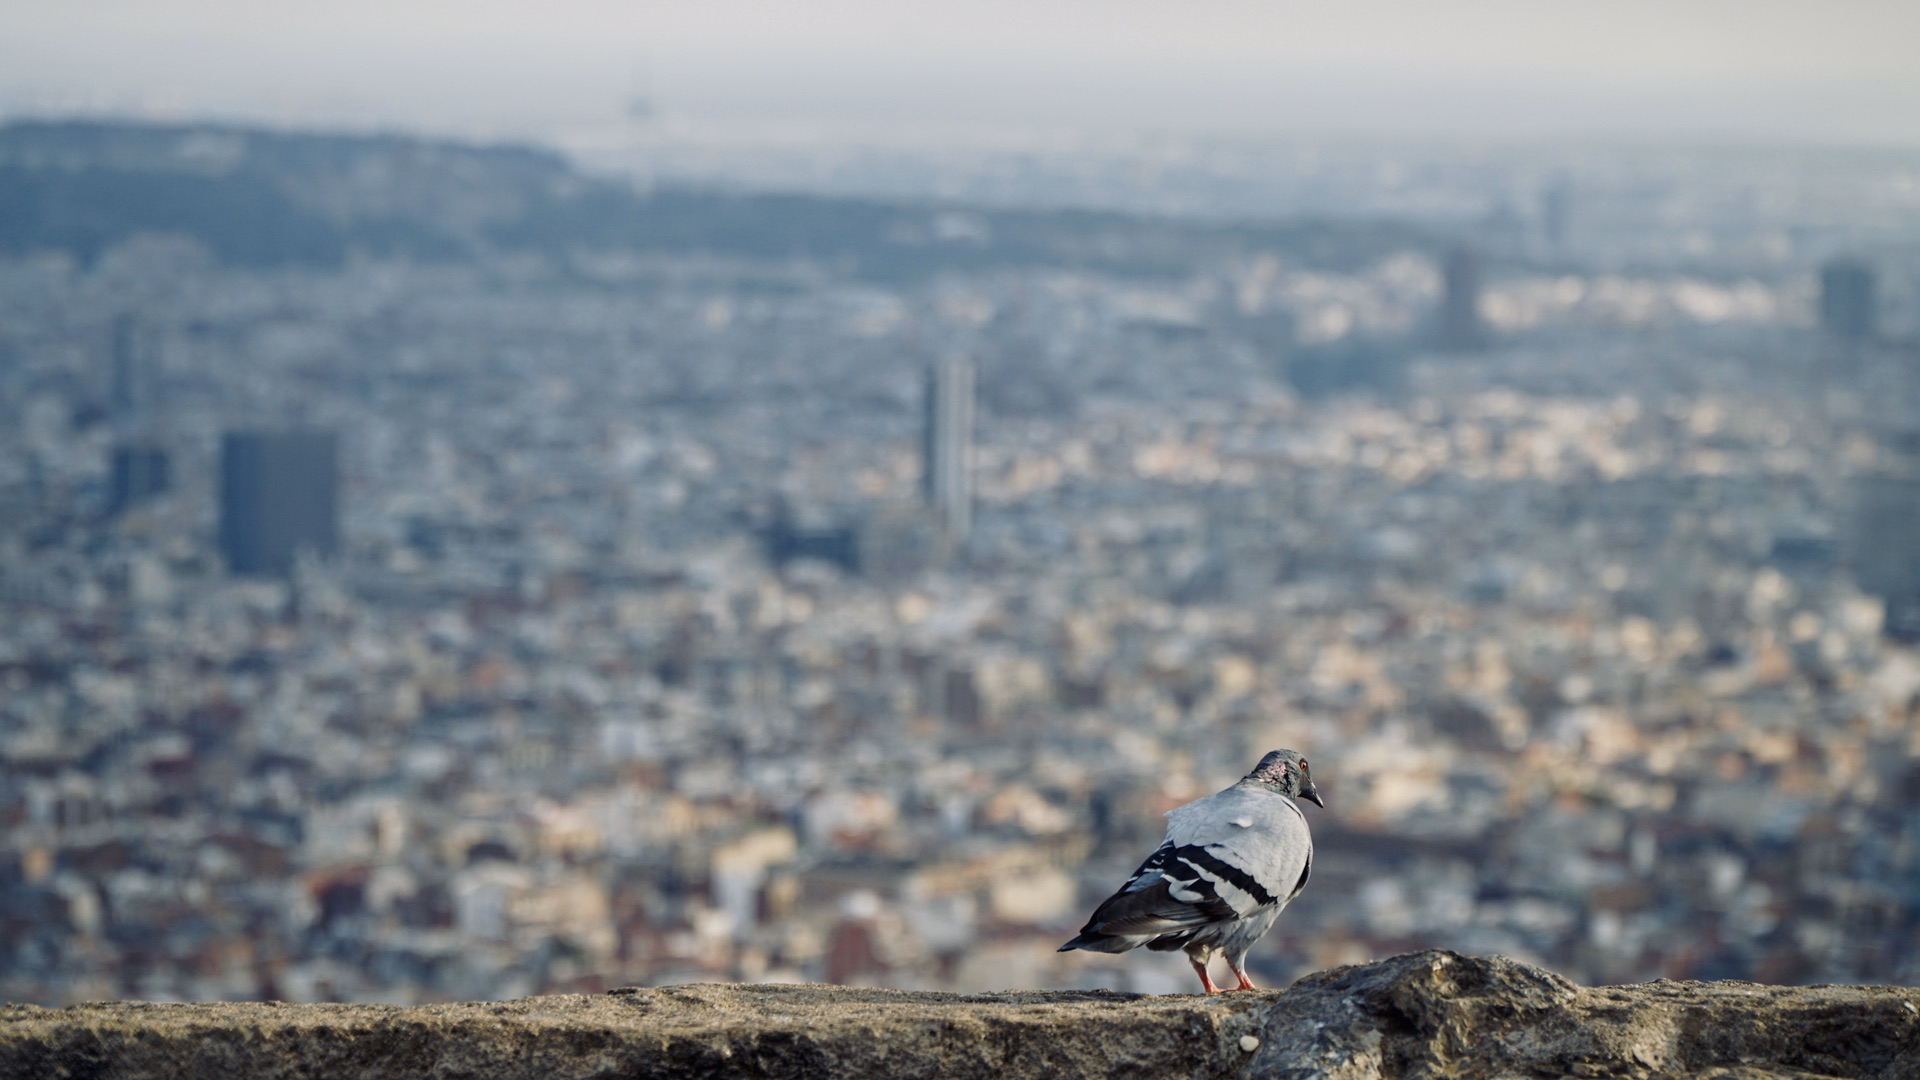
[1287, 771]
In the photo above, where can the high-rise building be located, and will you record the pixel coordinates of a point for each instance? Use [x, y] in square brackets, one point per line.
[1885, 548]
[279, 496]
[1459, 324]
[1847, 299]
[140, 471]
[130, 378]
[947, 456]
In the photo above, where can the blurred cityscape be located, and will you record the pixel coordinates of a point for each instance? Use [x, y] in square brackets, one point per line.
[433, 572]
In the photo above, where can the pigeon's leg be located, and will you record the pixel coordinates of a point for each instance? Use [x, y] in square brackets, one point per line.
[1198, 955]
[1240, 973]
[1200, 969]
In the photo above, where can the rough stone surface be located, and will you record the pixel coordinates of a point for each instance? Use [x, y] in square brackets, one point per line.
[1429, 1014]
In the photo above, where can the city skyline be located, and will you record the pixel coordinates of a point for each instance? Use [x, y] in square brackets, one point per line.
[637, 658]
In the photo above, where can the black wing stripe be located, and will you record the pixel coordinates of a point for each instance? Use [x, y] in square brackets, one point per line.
[1305, 872]
[1156, 864]
[1202, 859]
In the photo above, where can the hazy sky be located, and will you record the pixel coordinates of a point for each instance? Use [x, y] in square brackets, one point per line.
[1835, 70]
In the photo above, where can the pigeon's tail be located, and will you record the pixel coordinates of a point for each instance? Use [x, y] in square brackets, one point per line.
[1096, 942]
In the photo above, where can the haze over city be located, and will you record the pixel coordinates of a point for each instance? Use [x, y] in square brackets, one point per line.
[1773, 70]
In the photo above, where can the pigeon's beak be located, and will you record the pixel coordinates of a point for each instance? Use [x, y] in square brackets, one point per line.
[1312, 795]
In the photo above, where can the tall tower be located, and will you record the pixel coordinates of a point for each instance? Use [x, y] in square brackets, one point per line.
[279, 496]
[1885, 547]
[947, 456]
[130, 378]
[1847, 299]
[1460, 326]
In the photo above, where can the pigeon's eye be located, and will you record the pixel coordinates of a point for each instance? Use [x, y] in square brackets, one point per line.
[1303, 764]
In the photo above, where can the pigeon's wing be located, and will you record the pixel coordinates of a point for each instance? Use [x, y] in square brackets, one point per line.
[1166, 895]
[1252, 843]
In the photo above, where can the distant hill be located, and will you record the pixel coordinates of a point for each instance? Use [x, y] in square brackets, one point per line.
[265, 198]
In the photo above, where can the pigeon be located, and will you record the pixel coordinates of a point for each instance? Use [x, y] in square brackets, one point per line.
[1230, 863]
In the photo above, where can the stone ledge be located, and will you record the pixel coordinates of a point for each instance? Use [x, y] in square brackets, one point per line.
[1418, 1014]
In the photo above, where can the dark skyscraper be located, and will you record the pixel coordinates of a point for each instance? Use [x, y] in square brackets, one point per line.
[1459, 324]
[1847, 301]
[279, 496]
[947, 460]
[140, 470]
[803, 536]
[1886, 548]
